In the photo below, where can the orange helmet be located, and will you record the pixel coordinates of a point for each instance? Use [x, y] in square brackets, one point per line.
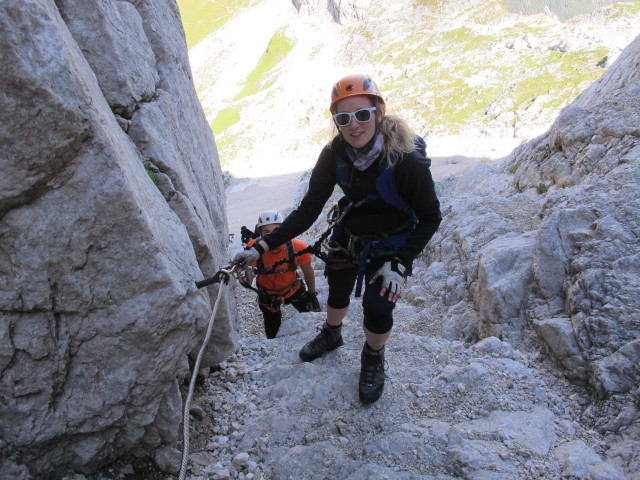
[356, 85]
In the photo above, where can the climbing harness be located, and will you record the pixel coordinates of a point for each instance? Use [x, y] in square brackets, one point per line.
[361, 247]
[314, 249]
[222, 276]
[290, 257]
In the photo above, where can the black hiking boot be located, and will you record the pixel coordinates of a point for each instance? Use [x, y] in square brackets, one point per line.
[371, 374]
[328, 339]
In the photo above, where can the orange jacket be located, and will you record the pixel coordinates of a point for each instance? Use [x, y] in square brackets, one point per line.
[283, 282]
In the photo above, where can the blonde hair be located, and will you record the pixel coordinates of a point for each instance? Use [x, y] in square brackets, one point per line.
[398, 138]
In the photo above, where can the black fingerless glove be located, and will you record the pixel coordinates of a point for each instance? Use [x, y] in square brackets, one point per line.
[400, 268]
[312, 302]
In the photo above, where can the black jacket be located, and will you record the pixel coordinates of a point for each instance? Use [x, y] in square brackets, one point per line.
[413, 181]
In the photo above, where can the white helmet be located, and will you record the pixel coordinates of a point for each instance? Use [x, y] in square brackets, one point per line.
[269, 217]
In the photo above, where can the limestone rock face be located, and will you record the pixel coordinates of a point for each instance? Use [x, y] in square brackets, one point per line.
[342, 12]
[111, 207]
[548, 244]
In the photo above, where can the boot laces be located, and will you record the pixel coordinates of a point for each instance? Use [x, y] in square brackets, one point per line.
[373, 369]
[323, 340]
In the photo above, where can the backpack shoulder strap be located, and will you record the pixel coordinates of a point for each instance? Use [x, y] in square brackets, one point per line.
[291, 256]
[421, 145]
[290, 259]
[386, 182]
[343, 171]
[386, 187]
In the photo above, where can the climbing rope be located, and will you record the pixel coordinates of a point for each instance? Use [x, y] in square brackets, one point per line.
[224, 275]
[219, 277]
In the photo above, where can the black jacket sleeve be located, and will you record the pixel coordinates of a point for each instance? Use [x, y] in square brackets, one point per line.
[321, 185]
[415, 183]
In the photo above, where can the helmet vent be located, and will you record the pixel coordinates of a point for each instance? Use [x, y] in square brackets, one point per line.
[352, 85]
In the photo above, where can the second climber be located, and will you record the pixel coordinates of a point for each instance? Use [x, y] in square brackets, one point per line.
[282, 285]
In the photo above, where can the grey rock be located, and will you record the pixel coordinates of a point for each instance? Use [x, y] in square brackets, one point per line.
[203, 459]
[241, 459]
[124, 65]
[580, 461]
[556, 247]
[342, 12]
[99, 307]
[559, 335]
[168, 459]
[315, 461]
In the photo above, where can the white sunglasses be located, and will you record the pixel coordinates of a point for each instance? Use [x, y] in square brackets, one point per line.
[362, 116]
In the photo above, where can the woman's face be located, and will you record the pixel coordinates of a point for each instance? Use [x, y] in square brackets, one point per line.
[357, 134]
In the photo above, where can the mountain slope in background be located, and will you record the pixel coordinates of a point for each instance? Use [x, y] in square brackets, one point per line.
[472, 78]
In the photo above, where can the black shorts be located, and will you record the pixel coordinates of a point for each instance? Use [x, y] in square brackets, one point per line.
[378, 310]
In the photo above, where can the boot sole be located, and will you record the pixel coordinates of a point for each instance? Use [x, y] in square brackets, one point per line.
[311, 358]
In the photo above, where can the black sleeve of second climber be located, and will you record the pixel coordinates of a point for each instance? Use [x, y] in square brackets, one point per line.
[415, 184]
[321, 184]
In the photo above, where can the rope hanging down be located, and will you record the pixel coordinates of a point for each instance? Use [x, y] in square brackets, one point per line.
[223, 276]
[220, 277]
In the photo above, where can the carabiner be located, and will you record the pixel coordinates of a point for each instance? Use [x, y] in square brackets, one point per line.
[224, 274]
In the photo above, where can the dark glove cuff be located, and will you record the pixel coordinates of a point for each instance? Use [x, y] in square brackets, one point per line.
[258, 247]
[400, 267]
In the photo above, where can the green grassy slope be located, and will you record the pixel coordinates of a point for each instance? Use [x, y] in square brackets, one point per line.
[448, 68]
[202, 17]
